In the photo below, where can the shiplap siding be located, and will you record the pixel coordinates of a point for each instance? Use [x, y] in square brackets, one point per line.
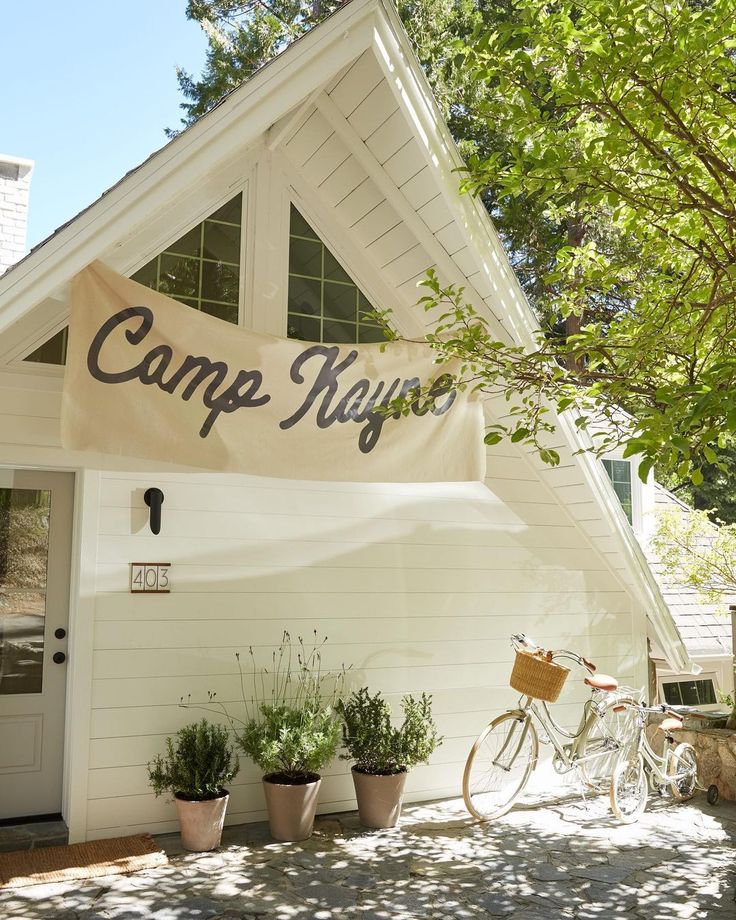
[418, 587]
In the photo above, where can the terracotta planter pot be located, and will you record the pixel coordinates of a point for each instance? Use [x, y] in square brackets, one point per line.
[379, 798]
[201, 822]
[291, 808]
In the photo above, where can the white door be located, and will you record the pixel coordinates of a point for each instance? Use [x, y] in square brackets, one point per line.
[35, 553]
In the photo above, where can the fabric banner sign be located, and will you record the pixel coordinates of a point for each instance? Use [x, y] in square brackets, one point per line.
[149, 377]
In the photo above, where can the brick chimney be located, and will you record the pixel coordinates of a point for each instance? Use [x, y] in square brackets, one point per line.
[15, 183]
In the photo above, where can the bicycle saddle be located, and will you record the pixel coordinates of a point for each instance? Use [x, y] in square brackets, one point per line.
[601, 682]
[671, 724]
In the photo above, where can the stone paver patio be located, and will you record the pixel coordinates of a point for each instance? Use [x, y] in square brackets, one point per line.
[566, 859]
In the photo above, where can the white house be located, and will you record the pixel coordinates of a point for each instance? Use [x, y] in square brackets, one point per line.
[324, 183]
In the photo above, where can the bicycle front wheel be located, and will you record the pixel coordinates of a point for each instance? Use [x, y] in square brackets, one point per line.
[682, 772]
[499, 765]
[610, 735]
[629, 790]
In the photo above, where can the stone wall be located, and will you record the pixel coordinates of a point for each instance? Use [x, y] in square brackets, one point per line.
[715, 749]
[15, 183]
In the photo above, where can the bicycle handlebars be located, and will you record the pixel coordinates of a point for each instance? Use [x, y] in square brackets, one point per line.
[520, 641]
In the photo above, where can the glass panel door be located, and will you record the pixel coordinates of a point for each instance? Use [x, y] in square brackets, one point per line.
[25, 516]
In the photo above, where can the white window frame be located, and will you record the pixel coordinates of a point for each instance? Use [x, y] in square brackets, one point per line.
[16, 360]
[683, 678]
[637, 513]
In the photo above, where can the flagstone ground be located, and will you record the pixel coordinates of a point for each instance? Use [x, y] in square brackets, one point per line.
[568, 859]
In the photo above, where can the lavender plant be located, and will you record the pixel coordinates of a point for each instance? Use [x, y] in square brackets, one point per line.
[291, 727]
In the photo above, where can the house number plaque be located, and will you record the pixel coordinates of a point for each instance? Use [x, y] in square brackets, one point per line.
[150, 577]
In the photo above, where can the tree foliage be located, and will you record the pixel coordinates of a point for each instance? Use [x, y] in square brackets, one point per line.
[620, 114]
[601, 137]
[243, 36]
[377, 746]
[694, 551]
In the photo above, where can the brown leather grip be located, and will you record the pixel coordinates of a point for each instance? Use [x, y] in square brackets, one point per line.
[589, 665]
[674, 715]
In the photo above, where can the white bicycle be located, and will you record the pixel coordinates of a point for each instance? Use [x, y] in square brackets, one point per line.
[676, 770]
[505, 753]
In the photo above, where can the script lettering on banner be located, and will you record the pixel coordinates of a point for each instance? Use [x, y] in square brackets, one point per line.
[149, 377]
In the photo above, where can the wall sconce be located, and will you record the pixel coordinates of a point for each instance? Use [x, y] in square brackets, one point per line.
[154, 498]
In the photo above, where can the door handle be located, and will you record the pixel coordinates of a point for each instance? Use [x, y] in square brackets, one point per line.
[59, 658]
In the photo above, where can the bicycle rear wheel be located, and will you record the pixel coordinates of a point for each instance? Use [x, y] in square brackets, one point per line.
[607, 738]
[499, 765]
[629, 790]
[682, 772]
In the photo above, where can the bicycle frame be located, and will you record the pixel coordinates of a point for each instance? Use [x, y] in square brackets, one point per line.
[657, 765]
[509, 744]
[568, 753]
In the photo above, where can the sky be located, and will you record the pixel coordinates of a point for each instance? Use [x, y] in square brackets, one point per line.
[87, 88]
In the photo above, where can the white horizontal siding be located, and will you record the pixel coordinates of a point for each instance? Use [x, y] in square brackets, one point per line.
[417, 587]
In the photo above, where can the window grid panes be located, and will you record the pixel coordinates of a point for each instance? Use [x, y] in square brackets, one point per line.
[325, 304]
[689, 692]
[201, 269]
[619, 472]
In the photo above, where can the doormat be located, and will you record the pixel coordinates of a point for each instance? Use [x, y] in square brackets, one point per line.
[115, 856]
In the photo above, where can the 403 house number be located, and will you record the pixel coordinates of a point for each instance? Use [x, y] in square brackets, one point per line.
[150, 577]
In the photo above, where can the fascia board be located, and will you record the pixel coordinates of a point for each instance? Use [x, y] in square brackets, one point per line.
[650, 593]
[238, 121]
[413, 92]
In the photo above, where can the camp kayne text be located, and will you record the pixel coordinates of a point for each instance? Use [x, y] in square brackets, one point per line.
[316, 371]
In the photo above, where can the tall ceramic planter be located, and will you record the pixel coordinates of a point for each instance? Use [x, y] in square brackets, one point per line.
[201, 822]
[379, 798]
[291, 807]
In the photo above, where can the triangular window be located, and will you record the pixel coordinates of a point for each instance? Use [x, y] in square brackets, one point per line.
[325, 304]
[53, 350]
[201, 269]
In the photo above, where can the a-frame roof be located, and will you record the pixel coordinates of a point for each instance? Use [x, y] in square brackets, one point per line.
[330, 90]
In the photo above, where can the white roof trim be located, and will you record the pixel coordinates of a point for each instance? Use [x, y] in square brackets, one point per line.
[242, 116]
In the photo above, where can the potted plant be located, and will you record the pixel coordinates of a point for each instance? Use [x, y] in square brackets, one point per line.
[195, 769]
[292, 731]
[383, 753]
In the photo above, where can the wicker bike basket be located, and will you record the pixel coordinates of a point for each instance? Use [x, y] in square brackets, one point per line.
[535, 675]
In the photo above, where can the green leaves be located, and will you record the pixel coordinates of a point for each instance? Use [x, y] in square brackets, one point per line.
[375, 745]
[618, 144]
[292, 741]
[694, 551]
[197, 765]
[601, 138]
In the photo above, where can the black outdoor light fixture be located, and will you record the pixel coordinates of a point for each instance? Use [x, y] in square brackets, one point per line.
[154, 498]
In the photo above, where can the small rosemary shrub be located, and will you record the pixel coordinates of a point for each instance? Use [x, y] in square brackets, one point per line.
[198, 765]
[376, 745]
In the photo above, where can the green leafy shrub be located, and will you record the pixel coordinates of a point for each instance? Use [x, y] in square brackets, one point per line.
[198, 766]
[291, 744]
[291, 728]
[375, 744]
